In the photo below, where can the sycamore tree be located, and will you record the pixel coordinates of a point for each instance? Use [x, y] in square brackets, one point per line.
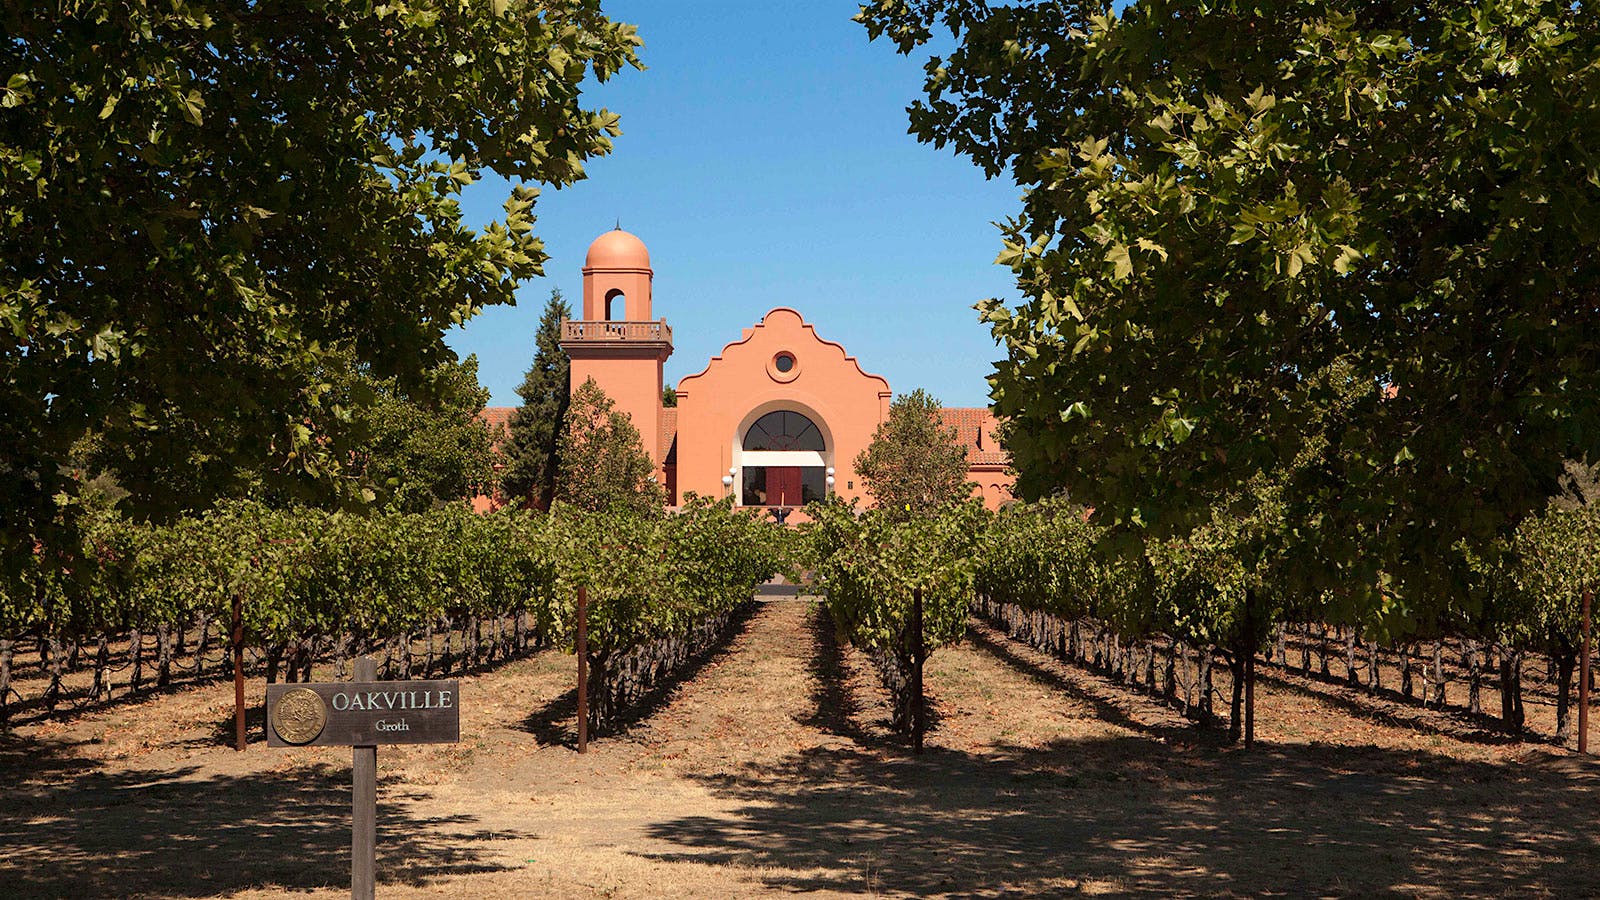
[603, 464]
[203, 201]
[409, 449]
[430, 449]
[530, 449]
[1223, 198]
[915, 463]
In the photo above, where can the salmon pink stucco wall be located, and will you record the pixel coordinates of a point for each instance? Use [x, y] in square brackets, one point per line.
[634, 386]
[615, 342]
[744, 382]
[778, 364]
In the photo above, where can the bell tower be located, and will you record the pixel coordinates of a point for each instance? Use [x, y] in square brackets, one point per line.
[615, 342]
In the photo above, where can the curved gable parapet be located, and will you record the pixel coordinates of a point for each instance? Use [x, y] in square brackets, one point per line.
[811, 330]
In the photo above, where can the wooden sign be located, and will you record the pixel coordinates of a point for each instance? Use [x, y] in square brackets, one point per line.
[363, 713]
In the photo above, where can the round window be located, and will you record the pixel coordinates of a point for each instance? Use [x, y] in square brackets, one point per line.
[783, 367]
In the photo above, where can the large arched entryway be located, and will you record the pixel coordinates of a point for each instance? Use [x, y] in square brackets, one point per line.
[782, 460]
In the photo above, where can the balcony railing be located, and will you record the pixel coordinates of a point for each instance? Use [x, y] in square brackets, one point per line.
[586, 330]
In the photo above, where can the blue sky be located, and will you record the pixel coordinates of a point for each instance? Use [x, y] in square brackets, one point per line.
[765, 162]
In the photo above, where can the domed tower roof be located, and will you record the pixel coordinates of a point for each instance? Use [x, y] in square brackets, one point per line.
[617, 249]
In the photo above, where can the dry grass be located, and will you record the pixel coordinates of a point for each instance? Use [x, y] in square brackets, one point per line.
[772, 772]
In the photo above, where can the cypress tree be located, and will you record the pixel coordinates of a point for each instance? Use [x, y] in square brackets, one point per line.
[531, 448]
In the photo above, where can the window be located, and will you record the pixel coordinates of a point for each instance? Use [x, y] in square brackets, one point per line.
[783, 367]
[784, 430]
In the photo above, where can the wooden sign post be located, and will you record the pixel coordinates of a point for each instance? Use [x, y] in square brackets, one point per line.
[362, 714]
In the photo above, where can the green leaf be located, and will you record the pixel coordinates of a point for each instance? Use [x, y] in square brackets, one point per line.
[1122, 263]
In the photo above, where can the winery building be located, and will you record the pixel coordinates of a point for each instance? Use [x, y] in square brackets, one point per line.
[776, 419]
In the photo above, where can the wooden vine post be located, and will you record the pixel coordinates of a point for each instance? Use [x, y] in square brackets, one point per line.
[1583, 675]
[238, 672]
[918, 722]
[361, 714]
[583, 670]
[1250, 672]
[364, 803]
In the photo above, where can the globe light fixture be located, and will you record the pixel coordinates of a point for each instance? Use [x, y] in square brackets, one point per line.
[727, 481]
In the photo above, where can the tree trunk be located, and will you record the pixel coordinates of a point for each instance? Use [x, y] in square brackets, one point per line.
[225, 659]
[1236, 704]
[405, 656]
[1250, 700]
[1511, 712]
[1565, 659]
[1406, 687]
[1324, 651]
[1350, 675]
[1189, 684]
[7, 649]
[1280, 652]
[202, 644]
[102, 669]
[427, 659]
[1474, 679]
[1204, 686]
[1374, 669]
[274, 657]
[52, 694]
[1305, 650]
[1169, 677]
[1439, 681]
[163, 654]
[447, 656]
[136, 652]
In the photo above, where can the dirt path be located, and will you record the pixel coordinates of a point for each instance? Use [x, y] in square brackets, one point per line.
[772, 773]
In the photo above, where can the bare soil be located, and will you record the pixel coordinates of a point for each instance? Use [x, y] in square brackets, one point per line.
[772, 772]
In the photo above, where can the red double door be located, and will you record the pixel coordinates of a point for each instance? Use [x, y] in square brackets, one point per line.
[783, 486]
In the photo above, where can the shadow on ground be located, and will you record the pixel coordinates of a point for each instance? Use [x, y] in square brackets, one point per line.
[1144, 814]
[555, 723]
[72, 829]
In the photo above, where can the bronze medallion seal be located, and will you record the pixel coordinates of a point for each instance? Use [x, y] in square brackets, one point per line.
[299, 716]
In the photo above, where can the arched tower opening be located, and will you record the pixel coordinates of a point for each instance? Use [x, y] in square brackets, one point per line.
[617, 268]
[615, 342]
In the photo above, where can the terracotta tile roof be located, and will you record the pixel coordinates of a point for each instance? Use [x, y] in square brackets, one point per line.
[967, 421]
[975, 428]
[669, 431]
[498, 418]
